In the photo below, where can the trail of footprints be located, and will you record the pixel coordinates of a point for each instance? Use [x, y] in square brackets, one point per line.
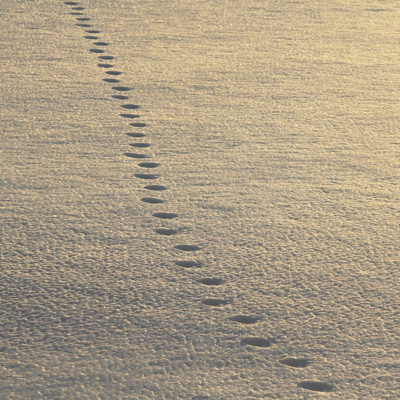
[99, 49]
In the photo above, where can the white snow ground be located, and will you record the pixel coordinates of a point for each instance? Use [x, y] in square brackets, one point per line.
[276, 127]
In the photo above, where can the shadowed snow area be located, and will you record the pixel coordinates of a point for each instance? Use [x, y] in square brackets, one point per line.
[220, 221]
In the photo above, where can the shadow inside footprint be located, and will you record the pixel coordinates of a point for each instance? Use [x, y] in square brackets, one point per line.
[134, 134]
[256, 341]
[155, 187]
[139, 144]
[107, 58]
[210, 281]
[130, 106]
[214, 302]
[92, 31]
[97, 51]
[103, 65]
[84, 25]
[166, 232]
[316, 386]
[113, 72]
[164, 215]
[188, 264]
[111, 80]
[138, 124]
[129, 116]
[187, 247]
[149, 165]
[71, 3]
[295, 362]
[152, 200]
[100, 43]
[120, 97]
[90, 37]
[121, 88]
[146, 176]
[243, 319]
[136, 155]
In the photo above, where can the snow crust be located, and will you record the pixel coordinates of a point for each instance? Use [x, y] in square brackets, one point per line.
[268, 267]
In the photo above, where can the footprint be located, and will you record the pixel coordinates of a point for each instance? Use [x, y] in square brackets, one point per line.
[78, 8]
[256, 341]
[111, 80]
[155, 187]
[166, 232]
[100, 43]
[149, 165]
[71, 3]
[121, 88]
[147, 176]
[138, 124]
[164, 215]
[120, 97]
[130, 106]
[90, 37]
[76, 13]
[112, 72]
[210, 281]
[103, 65]
[187, 247]
[243, 319]
[136, 155]
[316, 386]
[92, 31]
[83, 19]
[188, 264]
[152, 200]
[134, 134]
[295, 362]
[215, 302]
[96, 51]
[141, 145]
[131, 116]
[84, 25]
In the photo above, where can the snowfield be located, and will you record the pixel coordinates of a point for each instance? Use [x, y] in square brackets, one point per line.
[200, 199]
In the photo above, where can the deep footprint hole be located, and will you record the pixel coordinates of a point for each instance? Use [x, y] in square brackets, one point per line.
[152, 200]
[214, 302]
[188, 264]
[135, 134]
[187, 247]
[164, 215]
[141, 145]
[146, 176]
[166, 232]
[136, 155]
[149, 165]
[155, 187]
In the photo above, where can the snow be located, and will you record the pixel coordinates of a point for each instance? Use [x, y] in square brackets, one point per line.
[268, 267]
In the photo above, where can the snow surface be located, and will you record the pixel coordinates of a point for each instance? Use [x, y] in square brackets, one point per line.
[271, 268]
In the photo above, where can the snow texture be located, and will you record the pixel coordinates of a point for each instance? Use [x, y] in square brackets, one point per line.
[200, 199]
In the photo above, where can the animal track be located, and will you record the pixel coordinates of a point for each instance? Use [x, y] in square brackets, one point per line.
[187, 247]
[146, 176]
[210, 281]
[84, 25]
[78, 8]
[149, 165]
[136, 135]
[92, 31]
[214, 302]
[120, 97]
[166, 232]
[90, 37]
[131, 116]
[83, 19]
[155, 187]
[243, 319]
[142, 145]
[121, 88]
[256, 341]
[103, 65]
[164, 215]
[316, 386]
[71, 3]
[76, 13]
[136, 155]
[112, 72]
[96, 51]
[111, 80]
[152, 200]
[295, 362]
[100, 43]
